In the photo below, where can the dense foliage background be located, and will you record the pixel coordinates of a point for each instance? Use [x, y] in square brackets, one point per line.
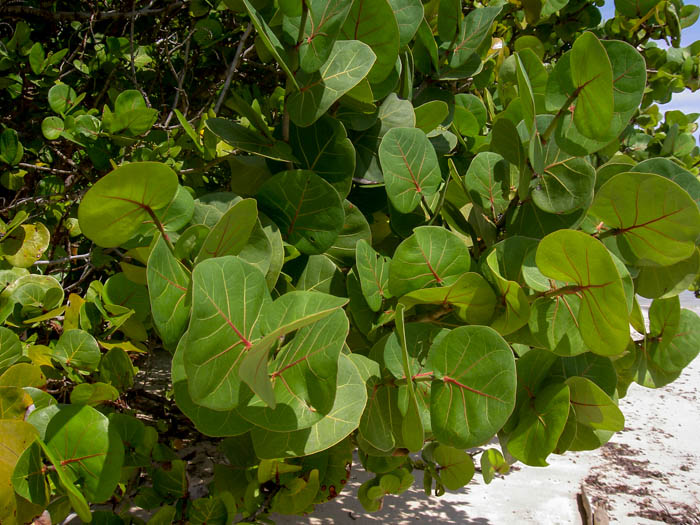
[383, 226]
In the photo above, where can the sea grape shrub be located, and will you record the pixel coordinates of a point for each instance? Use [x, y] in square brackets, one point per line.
[435, 235]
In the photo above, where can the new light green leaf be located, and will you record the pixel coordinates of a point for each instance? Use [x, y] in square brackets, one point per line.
[655, 221]
[409, 15]
[307, 209]
[473, 392]
[168, 289]
[574, 257]
[115, 207]
[470, 294]
[231, 234]
[432, 256]
[348, 63]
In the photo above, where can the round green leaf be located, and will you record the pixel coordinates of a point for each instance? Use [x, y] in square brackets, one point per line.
[373, 22]
[355, 229]
[61, 98]
[348, 63]
[77, 349]
[431, 256]
[655, 222]
[52, 127]
[307, 209]
[410, 167]
[26, 244]
[574, 257]
[113, 209]
[325, 149]
[473, 392]
[456, 467]
[10, 347]
[541, 422]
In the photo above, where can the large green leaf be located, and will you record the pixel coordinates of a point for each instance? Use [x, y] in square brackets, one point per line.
[246, 139]
[410, 167]
[574, 257]
[553, 323]
[431, 256]
[512, 307]
[409, 15]
[209, 422]
[592, 76]
[307, 209]
[473, 392]
[232, 232]
[324, 20]
[673, 350]
[373, 273]
[373, 22]
[303, 374]
[168, 285]
[348, 63]
[593, 407]
[655, 222]
[381, 425]
[325, 149]
[344, 417]
[288, 313]
[473, 30]
[449, 16]
[14, 402]
[488, 182]
[228, 295]
[115, 207]
[87, 448]
[541, 422]
[565, 185]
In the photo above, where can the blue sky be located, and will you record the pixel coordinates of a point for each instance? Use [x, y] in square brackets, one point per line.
[686, 101]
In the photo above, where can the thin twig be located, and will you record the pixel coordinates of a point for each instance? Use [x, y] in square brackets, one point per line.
[232, 68]
[63, 260]
[133, 65]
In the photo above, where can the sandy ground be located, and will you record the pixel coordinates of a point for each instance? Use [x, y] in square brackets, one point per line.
[648, 473]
